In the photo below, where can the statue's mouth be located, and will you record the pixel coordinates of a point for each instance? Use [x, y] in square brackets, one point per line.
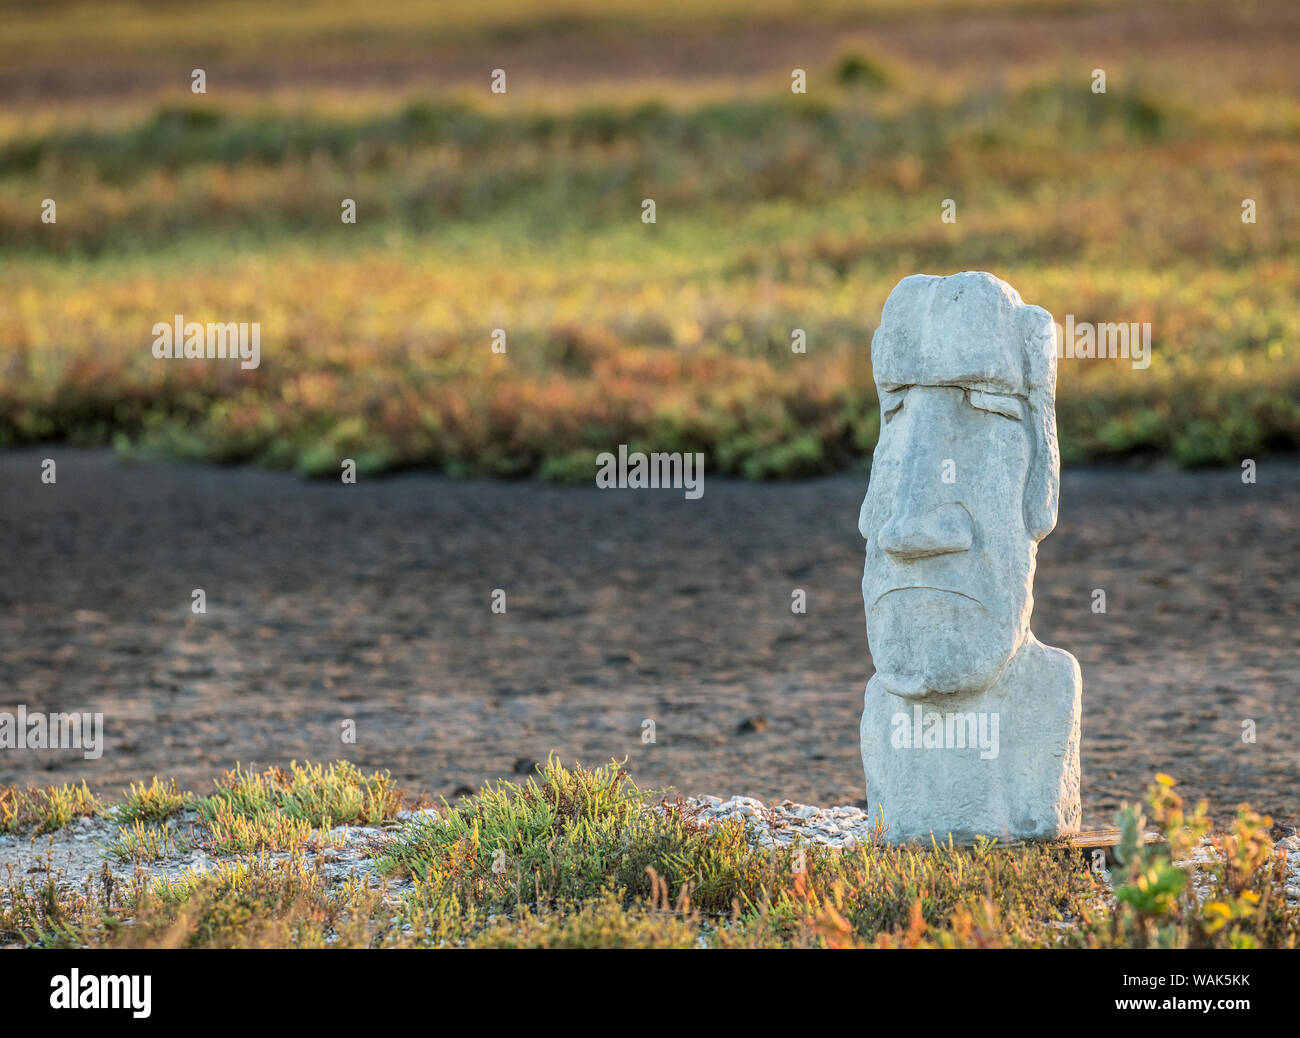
[927, 587]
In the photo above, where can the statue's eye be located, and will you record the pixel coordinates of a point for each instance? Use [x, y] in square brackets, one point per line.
[997, 403]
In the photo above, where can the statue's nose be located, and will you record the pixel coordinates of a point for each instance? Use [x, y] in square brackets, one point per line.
[939, 531]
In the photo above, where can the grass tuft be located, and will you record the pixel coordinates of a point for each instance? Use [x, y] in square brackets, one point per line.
[153, 803]
[143, 843]
[45, 810]
[320, 795]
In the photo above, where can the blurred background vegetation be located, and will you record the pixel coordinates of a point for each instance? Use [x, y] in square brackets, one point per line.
[522, 211]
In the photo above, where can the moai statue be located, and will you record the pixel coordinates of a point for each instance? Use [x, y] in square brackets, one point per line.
[970, 725]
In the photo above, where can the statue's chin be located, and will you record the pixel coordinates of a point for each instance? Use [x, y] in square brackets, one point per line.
[933, 643]
[906, 686]
[914, 685]
[940, 670]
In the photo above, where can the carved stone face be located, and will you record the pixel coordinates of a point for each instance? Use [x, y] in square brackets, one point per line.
[950, 565]
[948, 582]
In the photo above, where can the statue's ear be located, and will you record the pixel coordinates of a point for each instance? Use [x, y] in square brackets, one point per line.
[1043, 482]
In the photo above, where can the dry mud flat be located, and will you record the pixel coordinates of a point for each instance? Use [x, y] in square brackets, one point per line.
[371, 603]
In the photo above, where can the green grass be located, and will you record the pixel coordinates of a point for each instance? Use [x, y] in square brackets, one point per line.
[584, 858]
[775, 212]
[139, 842]
[155, 802]
[231, 831]
[45, 810]
[318, 795]
[255, 903]
[281, 810]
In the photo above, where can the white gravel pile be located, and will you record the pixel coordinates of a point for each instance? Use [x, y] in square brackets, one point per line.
[779, 824]
[1291, 848]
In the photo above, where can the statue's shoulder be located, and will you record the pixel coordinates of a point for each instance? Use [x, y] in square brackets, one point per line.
[1053, 667]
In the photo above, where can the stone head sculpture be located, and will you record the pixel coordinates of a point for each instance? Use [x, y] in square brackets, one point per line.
[964, 484]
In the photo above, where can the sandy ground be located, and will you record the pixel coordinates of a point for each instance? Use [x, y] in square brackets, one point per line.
[371, 603]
